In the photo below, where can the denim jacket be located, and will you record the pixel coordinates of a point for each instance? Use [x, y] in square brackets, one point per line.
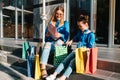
[63, 30]
[85, 39]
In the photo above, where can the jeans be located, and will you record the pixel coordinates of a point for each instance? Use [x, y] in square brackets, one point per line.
[48, 47]
[68, 64]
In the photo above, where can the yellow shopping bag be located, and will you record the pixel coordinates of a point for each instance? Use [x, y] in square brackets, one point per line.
[37, 68]
[80, 58]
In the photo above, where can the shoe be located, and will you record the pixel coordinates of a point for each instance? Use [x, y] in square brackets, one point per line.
[51, 77]
[44, 74]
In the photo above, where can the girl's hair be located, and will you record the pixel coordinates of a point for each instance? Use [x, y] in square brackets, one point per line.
[83, 15]
[54, 14]
[84, 18]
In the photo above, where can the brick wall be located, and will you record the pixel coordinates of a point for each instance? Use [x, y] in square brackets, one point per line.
[9, 31]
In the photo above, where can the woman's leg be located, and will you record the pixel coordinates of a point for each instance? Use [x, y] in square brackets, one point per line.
[44, 58]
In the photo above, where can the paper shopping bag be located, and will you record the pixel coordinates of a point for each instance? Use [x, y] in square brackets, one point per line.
[80, 59]
[91, 64]
[60, 54]
[25, 48]
[30, 62]
[37, 68]
[52, 29]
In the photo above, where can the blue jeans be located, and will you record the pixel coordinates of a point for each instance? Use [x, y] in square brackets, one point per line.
[68, 64]
[48, 47]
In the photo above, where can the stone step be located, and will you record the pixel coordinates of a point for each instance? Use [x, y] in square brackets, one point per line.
[8, 72]
[99, 75]
[20, 73]
[19, 64]
[14, 58]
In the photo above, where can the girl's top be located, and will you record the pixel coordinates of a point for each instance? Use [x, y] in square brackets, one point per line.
[85, 39]
[63, 30]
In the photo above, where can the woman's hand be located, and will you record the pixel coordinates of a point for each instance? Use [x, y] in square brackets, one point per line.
[48, 34]
[58, 36]
[69, 43]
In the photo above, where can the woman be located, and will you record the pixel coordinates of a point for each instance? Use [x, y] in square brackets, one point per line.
[85, 38]
[62, 27]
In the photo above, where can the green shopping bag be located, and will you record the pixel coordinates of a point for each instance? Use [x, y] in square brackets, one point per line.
[60, 54]
[25, 48]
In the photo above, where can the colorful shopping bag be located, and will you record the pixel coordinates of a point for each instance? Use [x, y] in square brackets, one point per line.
[30, 61]
[80, 59]
[25, 48]
[37, 68]
[60, 54]
[52, 29]
[91, 64]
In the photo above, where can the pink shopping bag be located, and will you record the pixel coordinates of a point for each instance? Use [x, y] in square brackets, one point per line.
[52, 29]
[91, 63]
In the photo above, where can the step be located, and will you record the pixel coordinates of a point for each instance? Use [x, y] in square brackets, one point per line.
[8, 72]
[106, 57]
[99, 75]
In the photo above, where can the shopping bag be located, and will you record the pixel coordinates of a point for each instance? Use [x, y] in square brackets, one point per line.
[80, 59]
[52, 29]
[30, 61]
[37, 68]
[25, 48]
[91, 63]
[59, 55]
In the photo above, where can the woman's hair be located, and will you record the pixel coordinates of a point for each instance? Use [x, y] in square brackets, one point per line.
[54, 14]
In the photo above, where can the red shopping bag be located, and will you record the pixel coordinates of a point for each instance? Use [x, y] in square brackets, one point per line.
[91, 63]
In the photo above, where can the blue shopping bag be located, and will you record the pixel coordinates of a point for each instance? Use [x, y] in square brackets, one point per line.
[30, 61]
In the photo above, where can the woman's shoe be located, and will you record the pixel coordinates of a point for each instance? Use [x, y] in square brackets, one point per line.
[44, 74]
[51, 77]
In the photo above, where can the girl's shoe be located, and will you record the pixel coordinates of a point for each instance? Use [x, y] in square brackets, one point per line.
[51, 77]
[57, 79]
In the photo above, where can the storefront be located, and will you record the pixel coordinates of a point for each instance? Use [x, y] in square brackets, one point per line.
[104, 17]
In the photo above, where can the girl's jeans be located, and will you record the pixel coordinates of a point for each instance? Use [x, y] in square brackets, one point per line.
[49, 46]
[68, 64]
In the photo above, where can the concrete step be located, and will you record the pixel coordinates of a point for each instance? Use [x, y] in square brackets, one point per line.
[19, 65]
[8, 72]
[99, 75]
[14, 57]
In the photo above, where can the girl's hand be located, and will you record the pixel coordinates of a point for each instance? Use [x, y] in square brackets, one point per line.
[69, 43]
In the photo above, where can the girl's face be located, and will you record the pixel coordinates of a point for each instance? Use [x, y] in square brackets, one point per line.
[59, 15]
[82, 26]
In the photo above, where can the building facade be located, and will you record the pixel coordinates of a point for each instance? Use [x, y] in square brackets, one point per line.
[104, 17]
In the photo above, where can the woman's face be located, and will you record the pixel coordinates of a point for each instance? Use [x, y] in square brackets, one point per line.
[82, 26]
[59, 15]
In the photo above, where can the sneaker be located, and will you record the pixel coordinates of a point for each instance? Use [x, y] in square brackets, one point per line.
[51, 77]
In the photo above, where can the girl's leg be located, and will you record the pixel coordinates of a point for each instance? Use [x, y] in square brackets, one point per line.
[68, 70]
[65, 63]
